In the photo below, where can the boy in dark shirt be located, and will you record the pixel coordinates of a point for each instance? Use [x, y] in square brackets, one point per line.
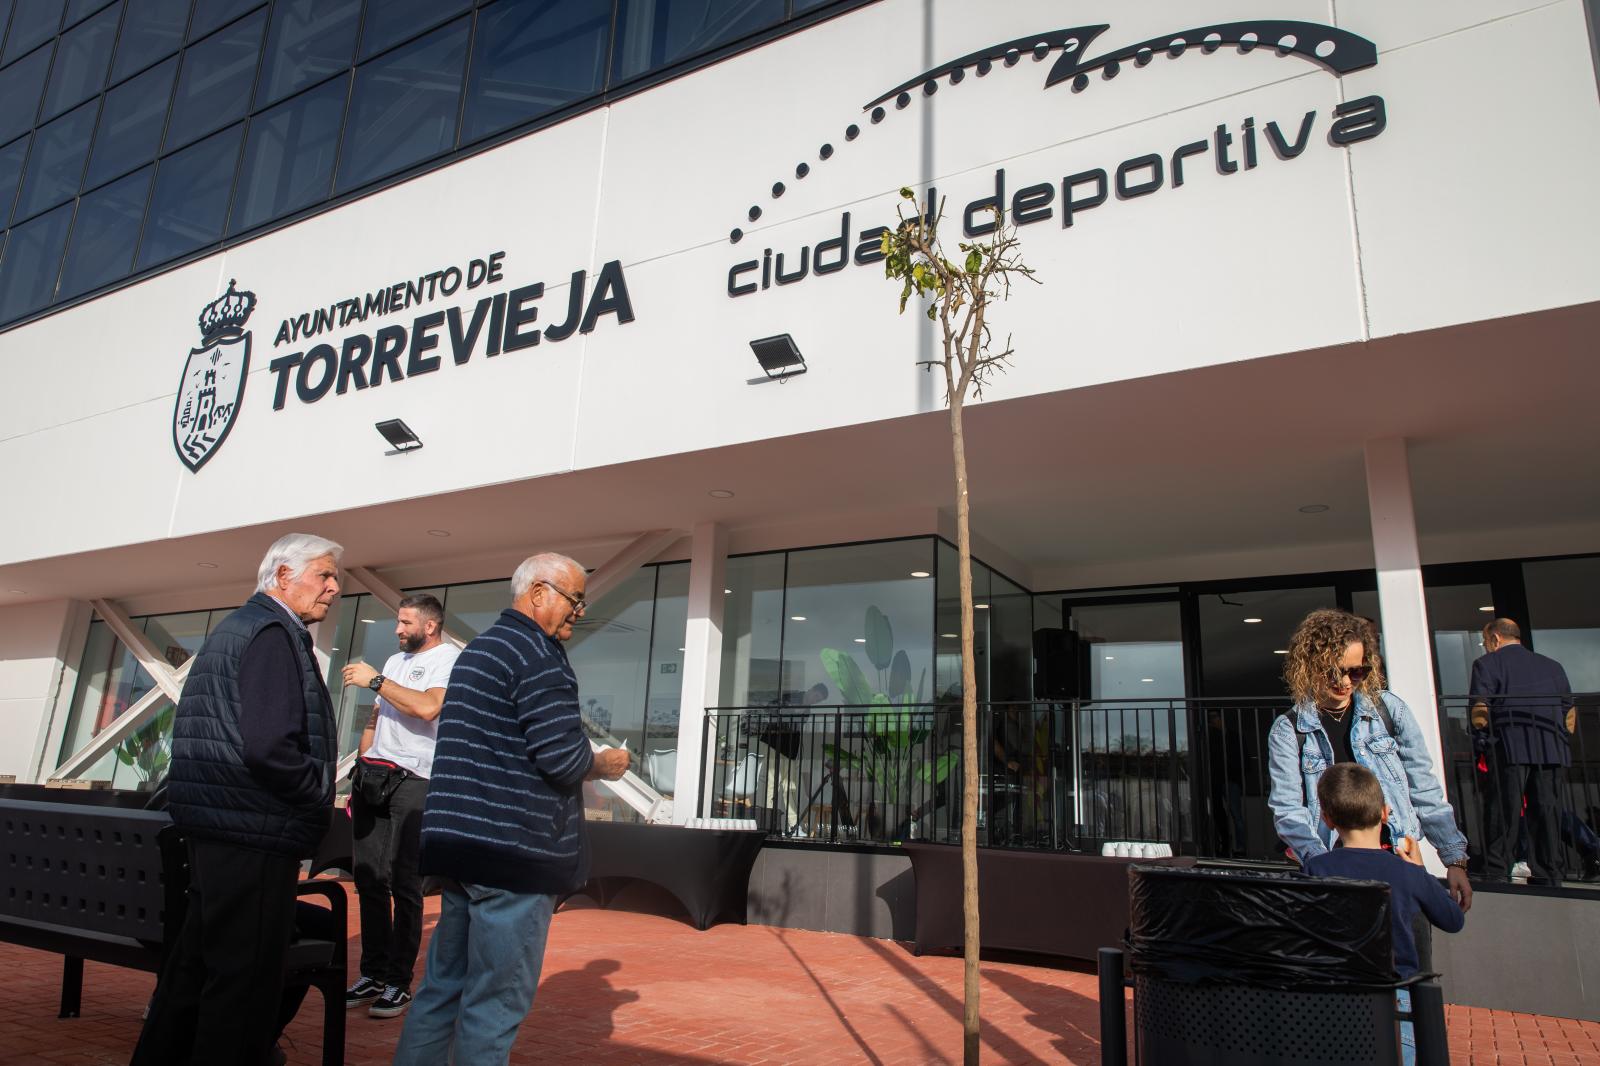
[1352, 803]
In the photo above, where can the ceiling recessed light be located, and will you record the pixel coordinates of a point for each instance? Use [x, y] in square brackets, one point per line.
[920, 573]
[721, 494]
[683, 649]
[17, 592]
[1148, 680]
[1314, 508]
[1110, 657]
[861, 640]
[438, 532]
[1280, 651]
[1251, 621]
[1489, 609]
[797, 618]
[368, 621]
[727, 592]
[980, 607]
[208, 566]
[949, 636]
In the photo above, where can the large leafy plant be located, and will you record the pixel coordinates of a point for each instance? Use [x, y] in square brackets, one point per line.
[892, 749]
[149, 750]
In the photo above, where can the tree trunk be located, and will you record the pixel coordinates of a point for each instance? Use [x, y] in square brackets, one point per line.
[969, 750]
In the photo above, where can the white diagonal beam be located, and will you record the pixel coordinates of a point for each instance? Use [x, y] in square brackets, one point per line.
[614, 571]
[390, 597]
[144, 650]
[143, 711]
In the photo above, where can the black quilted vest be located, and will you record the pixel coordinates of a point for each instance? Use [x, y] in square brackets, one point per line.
[211, 794]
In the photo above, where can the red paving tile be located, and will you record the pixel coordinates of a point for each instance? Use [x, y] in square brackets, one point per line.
[625, 988]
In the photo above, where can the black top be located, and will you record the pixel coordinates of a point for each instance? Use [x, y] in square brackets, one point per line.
[272, 718]
[1527, 694]
[1338, 731]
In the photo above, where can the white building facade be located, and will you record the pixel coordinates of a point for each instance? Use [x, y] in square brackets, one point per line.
[1314, 325]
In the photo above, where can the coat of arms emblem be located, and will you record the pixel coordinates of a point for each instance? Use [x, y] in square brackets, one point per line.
[212, 386]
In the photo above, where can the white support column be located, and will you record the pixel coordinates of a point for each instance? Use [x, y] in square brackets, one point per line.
[1407, 640]
[702, 661]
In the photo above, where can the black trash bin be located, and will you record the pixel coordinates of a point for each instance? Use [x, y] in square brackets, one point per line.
[1249, 968]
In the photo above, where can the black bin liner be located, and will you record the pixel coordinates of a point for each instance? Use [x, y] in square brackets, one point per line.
[1269, 930]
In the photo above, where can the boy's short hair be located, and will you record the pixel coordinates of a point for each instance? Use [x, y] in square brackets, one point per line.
[1350, 796]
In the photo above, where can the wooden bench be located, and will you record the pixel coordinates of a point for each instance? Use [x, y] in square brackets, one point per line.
[87, 881]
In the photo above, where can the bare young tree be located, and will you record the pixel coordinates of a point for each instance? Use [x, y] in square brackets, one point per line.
[959, 294]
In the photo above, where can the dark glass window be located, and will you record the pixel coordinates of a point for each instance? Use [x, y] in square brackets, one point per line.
[657, 33]
[394, 20]
[105, 234]
[56, 166]
[78, 9]
[130, 123]
[153, 28]
[309, 40]
[214, 85]
[190, 202]
[209, 14]
[20, 87]
[530, 57]
[807, 5]
[32, 23]
[288, 161]
[32, 258]
[81, 61]
[404, 106]
[11, 159]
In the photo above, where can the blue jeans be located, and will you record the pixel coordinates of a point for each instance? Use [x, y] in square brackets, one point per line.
[1408, 1030]
[483, 966]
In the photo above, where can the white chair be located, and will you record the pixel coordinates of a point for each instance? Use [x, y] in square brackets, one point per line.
[661, 767]
[742, 783]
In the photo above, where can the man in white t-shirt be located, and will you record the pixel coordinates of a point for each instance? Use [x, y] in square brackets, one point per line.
[386, 800]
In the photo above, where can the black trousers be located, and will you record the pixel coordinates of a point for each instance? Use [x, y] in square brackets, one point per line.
[1510, 783]
[219, 995]
[388, 842]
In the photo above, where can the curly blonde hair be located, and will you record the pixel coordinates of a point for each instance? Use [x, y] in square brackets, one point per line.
[1319, 643]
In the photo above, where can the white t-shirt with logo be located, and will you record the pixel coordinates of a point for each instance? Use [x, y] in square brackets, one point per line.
[401, 738]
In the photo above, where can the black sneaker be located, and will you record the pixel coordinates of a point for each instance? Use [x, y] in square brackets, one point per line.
[391, 1004]
[363, 991]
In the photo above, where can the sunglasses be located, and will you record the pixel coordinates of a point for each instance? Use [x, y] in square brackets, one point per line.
[1356, 674]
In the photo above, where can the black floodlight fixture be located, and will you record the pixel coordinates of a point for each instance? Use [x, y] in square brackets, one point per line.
[399, 436]
[779, 357]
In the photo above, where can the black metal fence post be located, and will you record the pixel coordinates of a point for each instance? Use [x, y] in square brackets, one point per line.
[1113, 1009]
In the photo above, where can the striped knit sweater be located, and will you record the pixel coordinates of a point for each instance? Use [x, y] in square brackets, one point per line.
[505, 806]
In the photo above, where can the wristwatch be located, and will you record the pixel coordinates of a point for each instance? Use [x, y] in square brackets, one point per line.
[1460, 864]
[376, 683]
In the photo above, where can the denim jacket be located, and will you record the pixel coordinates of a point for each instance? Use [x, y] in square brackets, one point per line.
[1417, 806]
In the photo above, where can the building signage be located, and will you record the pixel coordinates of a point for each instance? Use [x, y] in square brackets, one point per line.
[360, 354]
[466, 310]
[1041, 198]
[212, 385]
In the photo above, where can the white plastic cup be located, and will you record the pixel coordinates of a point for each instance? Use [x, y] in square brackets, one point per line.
[1123, 850]
[1108, 849]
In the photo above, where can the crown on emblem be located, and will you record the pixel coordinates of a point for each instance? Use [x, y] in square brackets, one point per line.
[227, 313]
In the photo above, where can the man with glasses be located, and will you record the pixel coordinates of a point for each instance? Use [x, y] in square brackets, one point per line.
[503, 823]
[1525, 702]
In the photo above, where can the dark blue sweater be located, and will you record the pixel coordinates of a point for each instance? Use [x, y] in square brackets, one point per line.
[1411, 889]
[505, 804]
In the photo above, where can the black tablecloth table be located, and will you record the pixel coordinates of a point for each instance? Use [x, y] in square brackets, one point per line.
[1039, 901]
[707, 870]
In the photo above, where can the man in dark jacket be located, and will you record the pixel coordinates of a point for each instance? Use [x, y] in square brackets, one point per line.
[251, 787]
[503, 823]
[1525, 701]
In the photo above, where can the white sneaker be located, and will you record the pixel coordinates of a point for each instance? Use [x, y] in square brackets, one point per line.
[1521, 872]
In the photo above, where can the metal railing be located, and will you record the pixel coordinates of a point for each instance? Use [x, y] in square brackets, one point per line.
[1073, 774]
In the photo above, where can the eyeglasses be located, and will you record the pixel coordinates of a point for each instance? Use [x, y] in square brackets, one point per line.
[579, 604]
[1356, 674]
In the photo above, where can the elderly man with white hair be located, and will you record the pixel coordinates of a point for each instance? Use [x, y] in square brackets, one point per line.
[503, 825]
[250, 785]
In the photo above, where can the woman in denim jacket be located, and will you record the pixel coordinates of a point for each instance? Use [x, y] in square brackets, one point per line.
[1337, 683]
